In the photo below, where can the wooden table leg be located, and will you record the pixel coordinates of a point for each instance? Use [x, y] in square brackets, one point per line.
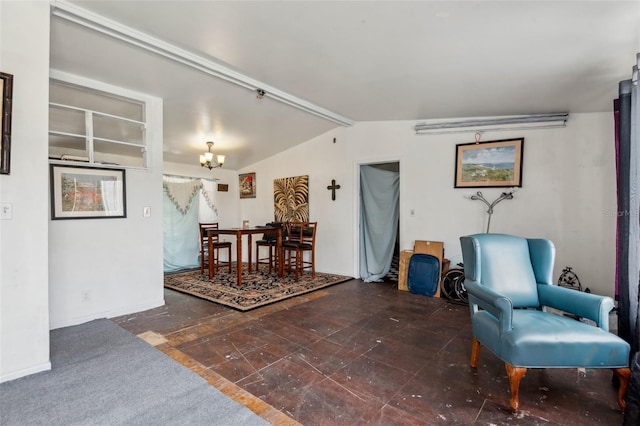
[249, 253]
[210, 245]
[239, 257]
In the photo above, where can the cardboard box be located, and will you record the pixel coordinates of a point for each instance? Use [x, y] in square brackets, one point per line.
[403, 269]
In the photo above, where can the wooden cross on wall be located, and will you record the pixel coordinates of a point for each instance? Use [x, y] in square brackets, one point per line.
[333, 188]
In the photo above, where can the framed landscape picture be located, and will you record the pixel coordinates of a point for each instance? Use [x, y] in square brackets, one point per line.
[489, 164]
[87, 192]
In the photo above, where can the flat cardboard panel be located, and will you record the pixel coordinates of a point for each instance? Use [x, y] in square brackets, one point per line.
[403, 269]
[434, 248]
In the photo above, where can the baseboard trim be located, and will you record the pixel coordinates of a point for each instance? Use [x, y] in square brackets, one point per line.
[107, 314]
[26, 372]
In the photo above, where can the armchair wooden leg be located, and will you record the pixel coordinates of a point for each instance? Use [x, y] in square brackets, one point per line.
[475, 352]
[515, 375]
[623, 375]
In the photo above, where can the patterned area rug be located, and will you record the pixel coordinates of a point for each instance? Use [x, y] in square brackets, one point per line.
[258, 288]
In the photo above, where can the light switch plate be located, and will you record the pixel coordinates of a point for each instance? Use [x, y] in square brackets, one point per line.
[6, 211]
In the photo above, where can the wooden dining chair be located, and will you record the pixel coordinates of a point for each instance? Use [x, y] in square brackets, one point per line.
[270, 241]
[217, 247]
[301, 238]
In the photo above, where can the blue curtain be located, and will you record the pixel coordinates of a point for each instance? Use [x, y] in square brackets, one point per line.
[181, 236]
[379, 215]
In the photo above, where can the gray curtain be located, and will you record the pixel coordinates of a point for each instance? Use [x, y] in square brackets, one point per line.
[628, 237]
[379, 215]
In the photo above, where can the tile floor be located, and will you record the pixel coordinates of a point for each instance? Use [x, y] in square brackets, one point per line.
[364, 354]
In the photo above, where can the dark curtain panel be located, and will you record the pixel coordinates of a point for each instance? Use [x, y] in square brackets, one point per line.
[623, 157]
[628, 282]
[616, 121]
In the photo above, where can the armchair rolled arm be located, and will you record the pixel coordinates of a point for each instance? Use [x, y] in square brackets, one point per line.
[586, 305]
[497, 305]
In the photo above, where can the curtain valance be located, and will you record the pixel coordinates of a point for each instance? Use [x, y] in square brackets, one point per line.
[181, 193]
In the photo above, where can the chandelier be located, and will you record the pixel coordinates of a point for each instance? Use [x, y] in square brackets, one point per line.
[206, 159]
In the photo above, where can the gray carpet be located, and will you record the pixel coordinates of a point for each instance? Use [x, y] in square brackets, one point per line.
[103, 375]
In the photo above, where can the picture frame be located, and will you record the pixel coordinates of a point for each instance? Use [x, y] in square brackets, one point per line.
[291, 199]
[247, 185]
[492, 164]
[79, 192]
[6, 88]
[223, 187]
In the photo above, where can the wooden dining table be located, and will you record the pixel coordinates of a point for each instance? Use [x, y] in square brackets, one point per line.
[239, 232]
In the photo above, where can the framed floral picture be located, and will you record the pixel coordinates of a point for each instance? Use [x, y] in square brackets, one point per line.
[247, 184]
[87, 192]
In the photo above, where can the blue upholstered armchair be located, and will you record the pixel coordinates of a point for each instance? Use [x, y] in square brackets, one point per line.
[509, 284]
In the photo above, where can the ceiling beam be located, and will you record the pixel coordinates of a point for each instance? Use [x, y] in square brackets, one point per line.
[521, 122]
[72, 13]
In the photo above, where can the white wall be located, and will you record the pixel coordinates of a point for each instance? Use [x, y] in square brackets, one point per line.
[568, 192]
[107, 267]
[24, 292]
[322, 160]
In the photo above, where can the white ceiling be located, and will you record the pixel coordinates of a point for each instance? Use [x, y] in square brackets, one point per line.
[364, 60]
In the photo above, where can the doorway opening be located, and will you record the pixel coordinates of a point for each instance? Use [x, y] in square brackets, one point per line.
[379, 221]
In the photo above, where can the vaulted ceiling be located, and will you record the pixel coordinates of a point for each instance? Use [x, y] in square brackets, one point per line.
[362, 60]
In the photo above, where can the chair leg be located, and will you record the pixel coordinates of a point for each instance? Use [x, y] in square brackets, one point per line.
[203, 260]
[270, 258]
[475, 352]
[216, 260]
[257, 257]
[291, 266]
[623, 375]
[285, 260]
[297, 270]
[515, 375]
[276, 259]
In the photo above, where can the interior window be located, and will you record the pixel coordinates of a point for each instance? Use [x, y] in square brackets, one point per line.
[89, 126]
